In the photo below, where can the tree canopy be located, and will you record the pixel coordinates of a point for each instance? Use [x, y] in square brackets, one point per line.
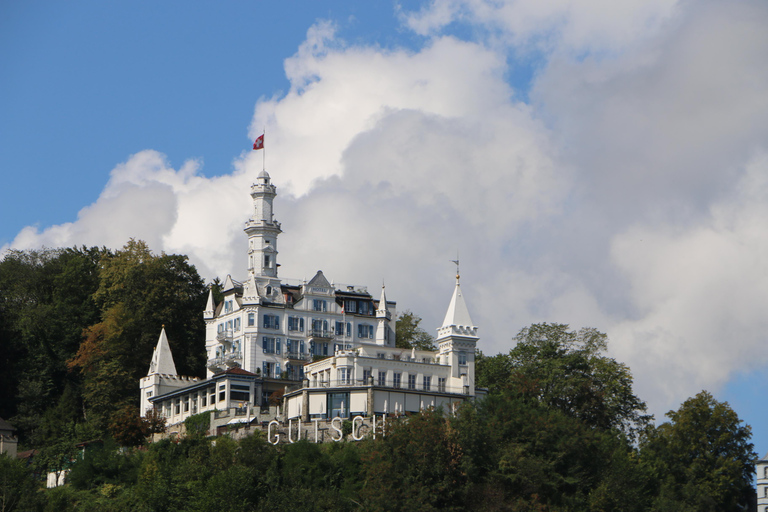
[568, 371]
[408, 333]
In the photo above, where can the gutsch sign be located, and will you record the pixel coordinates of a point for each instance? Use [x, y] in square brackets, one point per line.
[361, 427]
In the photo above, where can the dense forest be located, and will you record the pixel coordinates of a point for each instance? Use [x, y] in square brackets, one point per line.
[561, 428]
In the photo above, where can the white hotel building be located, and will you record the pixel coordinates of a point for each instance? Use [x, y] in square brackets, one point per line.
[330, 350]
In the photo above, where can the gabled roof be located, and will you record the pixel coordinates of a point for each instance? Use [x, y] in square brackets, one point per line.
[236, 371]
[230, 284]
[162, 359]
[319, 281]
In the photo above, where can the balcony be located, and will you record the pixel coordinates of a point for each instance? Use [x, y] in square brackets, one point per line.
[321, 333]
[225, 362]
[295, 355]
[225, 336]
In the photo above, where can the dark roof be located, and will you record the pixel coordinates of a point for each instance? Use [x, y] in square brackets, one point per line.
[26, 454]
[4, 425]
[236, 371]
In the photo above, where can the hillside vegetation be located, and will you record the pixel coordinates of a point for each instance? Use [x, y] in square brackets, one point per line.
[561, 428]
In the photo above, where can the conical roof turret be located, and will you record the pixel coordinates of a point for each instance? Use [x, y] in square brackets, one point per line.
[162, 359]
[457, 320]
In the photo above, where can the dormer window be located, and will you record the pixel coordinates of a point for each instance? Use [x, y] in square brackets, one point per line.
[269, 290]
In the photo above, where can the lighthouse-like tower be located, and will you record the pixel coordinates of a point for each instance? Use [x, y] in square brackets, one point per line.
[262, 230]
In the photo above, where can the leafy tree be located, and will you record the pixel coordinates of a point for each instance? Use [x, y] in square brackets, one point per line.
[408, 333]
[45, 302]
[702, 457]
[567, 370]
[138, 293]
[18, 488]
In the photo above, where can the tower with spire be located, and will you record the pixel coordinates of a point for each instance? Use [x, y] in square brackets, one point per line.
[161, 377]
[457, 340]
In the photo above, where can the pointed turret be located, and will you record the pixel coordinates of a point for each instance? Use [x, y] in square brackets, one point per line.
[457, 342]
[162, 359]
[384, 334]
[457, 320]
[210, 306]
[382, 302]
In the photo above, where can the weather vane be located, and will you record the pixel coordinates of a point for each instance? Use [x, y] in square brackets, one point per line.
[456, 261]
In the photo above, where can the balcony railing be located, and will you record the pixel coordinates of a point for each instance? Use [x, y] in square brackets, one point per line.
[321, 333]
[227, 360]
[418, 387]
[226, 335]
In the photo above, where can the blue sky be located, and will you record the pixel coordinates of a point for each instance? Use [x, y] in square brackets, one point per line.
[597, 164]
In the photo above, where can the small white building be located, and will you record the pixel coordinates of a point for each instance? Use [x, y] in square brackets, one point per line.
[330, 349]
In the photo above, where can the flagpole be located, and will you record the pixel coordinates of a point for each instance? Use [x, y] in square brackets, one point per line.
[264, 154]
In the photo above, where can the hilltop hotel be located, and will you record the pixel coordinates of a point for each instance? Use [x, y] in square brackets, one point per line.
[328, 352]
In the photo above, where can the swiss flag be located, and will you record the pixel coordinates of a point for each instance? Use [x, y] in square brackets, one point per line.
[259, 142]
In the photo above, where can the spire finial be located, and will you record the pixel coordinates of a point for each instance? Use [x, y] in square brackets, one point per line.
[456, 261]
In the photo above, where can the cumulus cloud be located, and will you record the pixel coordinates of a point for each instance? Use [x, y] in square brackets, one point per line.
[628, 195]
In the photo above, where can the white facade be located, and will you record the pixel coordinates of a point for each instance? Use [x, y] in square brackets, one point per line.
[761, 467]
[371, 379]
[268, 333]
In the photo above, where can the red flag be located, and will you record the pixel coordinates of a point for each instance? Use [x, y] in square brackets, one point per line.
[259, 142]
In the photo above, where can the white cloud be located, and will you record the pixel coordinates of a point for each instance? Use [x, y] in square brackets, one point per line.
[570, 26]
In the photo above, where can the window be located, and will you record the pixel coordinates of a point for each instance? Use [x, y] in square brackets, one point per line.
[411, 381]
[294, 347]
[227, 306]
[350, 306]
[441, 384]
[382, 378]
[186, 403]
[340, 329]
[295, 324]
[222, 392]
[364, 331]
[366, 376]
[177, 405]
[213, 395]
[251, 319]
[462, 357]
[270, 345]
[320, 328]
[271, 322]
[427, 382]
[364, 307]
[204, 399]
[269, 290]
[237, 324]
[345, 375]
[240, 392]
[319, 305]
[269, 369]
[396, 379]
[380, 355]
[267, 261]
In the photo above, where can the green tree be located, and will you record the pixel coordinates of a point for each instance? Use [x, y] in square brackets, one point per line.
[18, 488]
[702, 457]
[568, 370]
[408, 333]
[46, 300]
[138, 293]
